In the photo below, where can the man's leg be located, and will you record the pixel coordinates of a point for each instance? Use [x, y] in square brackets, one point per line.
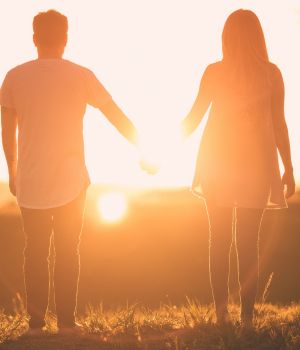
[247, 239]
[220, 240]
[67, 223]
[37, 226]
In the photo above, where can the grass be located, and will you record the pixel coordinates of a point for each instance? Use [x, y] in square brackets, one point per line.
[188, 327]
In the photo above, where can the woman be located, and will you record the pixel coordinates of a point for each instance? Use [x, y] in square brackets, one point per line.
[237, 169]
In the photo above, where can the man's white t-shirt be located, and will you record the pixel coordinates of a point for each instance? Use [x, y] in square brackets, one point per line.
[50, 98]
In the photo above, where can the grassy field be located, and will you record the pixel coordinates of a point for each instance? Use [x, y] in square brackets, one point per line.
[164, 260]
[188, 327]
[159, 251]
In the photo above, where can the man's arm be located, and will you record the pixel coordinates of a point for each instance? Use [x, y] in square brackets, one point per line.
[119, 120]
[98, 97]
[9, 142]
[126, 128]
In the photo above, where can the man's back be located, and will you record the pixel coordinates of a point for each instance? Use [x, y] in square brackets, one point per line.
[46, 100]
[50, 98]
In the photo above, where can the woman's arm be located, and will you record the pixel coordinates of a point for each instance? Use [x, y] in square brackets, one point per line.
[281, 133]
[201, 104]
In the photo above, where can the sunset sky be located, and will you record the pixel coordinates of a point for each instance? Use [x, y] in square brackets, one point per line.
[150, 55]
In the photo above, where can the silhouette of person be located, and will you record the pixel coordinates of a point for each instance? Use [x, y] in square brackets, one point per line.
[46, 100]
[237, 170]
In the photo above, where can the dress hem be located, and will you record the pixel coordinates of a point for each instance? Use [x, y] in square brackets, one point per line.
[269, 206]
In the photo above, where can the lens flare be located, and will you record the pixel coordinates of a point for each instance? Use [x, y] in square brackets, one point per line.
[112, 206]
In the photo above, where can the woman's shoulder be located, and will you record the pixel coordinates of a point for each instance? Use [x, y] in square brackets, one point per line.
[274, 69]
[275, 75]
[212, 67]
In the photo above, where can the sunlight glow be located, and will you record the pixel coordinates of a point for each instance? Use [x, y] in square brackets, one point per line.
[158, 147]
[112, 206]
[152, 72]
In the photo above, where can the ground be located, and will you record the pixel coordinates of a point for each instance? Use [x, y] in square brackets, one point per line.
[188, 327]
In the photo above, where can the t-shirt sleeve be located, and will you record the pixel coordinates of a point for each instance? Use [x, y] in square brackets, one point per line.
[97, 95]
[6, 93]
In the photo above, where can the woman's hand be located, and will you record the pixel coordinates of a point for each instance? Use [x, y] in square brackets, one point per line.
[12, 185]
[12, 181]
[288, 182]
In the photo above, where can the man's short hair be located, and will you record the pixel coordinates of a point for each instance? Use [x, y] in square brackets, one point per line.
[50, 29]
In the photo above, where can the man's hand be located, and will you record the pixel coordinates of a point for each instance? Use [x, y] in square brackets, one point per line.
[148, 167]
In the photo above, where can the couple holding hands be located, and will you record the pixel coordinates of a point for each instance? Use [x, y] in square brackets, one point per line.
[237, 171]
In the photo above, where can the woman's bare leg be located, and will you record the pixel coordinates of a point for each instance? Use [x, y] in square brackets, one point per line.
[220, 240]
[247, 239]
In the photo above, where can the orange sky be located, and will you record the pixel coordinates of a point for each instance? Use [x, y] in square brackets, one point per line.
[150, 56]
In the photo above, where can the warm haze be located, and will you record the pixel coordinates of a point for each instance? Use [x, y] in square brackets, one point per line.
[150, 56]
[187, 270]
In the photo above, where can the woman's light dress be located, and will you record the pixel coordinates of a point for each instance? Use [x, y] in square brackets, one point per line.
[237, 163]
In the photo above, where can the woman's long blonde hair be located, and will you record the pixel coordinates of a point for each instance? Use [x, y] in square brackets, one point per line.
[244, 51]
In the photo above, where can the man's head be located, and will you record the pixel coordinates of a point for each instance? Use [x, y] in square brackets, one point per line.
[50, 31]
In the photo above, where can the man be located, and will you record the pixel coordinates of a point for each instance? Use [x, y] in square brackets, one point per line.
[45, 99]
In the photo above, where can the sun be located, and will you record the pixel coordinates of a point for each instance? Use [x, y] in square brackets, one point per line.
[112, 206]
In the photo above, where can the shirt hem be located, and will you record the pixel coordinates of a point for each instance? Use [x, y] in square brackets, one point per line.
[60, 204]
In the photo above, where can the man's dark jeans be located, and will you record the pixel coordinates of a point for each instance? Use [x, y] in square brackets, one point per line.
[63, 225]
